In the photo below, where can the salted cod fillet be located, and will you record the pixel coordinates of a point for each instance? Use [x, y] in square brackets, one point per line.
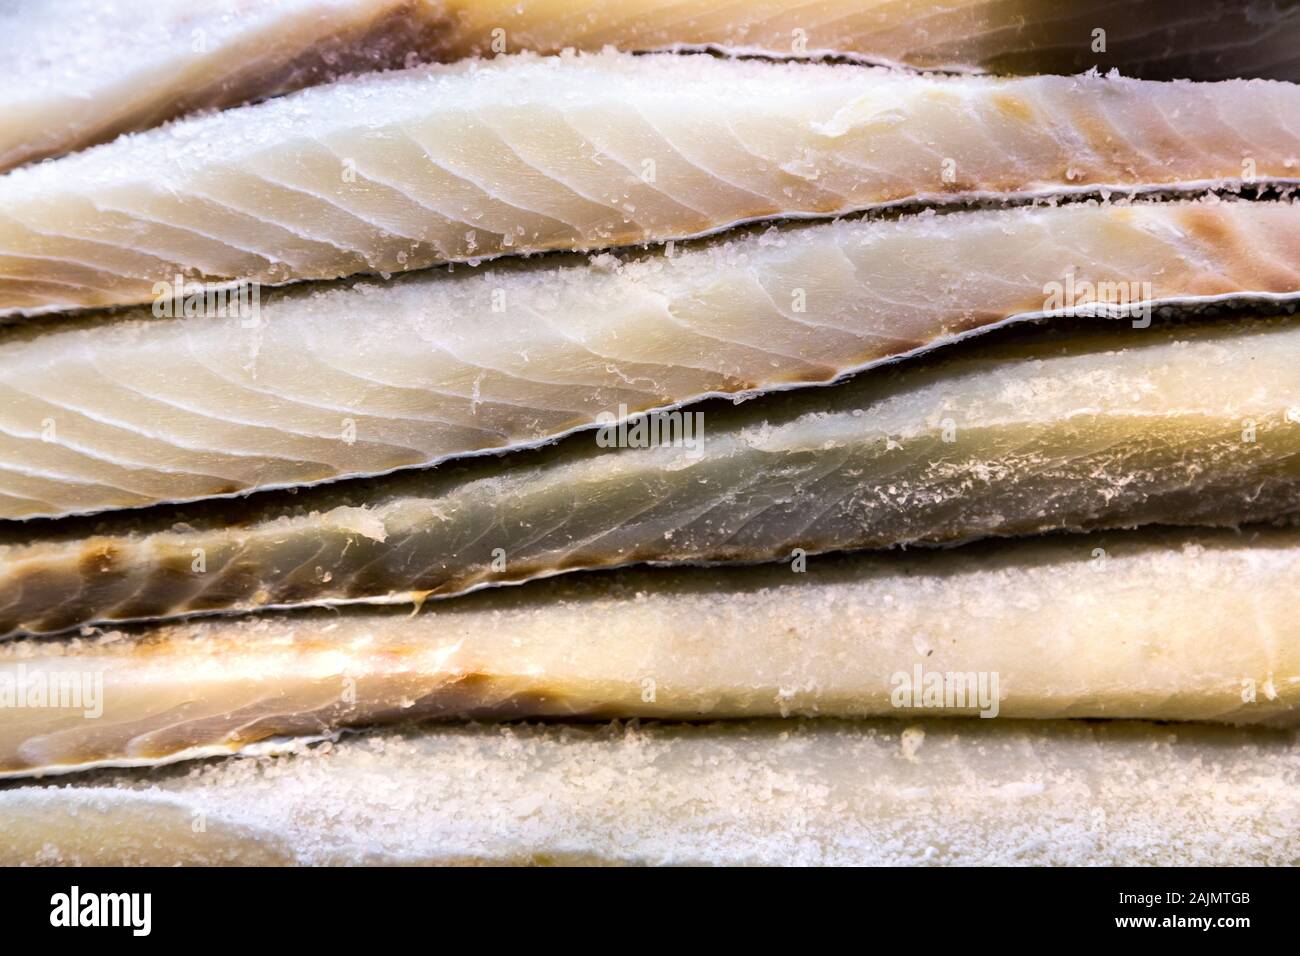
[393, 172]
[79, 72]
[1156, 39]
[324, 382]
[1098, 429]
[778, 792]
[1168, 626]
[132, 64]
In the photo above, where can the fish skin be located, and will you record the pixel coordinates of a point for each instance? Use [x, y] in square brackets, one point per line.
[131, 65]
[398, 171]
[129, 410]
[789, 792]
[1097, 429]
[1150, 625]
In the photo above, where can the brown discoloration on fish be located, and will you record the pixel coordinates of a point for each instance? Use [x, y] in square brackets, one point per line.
[102, 556]
[516, 654]
[804, 128]
[401, 35]
[1267, 270]
[166, 588]
[1013, 107]
[1208, 229]
[840, 479]
[1150, 242]
[1107, 146]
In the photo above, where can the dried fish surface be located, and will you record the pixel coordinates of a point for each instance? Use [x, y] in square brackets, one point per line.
[331, 382]
[79, 72]
[783, 792]
[1157, 39]
[133, 64]
[1182, 425]
[1169, 626]
[393, 172]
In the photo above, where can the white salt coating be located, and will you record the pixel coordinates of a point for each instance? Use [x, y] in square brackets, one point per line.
[433, 365]
[82, 71]
[1171, 626]
[393, 172]
[832, 100]
[889, 793]
[1097, 429]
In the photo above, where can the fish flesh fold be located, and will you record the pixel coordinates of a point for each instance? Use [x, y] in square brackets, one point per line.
[877, 792]
[80, 72]
[336, 381]
[1172, 626]
[1099, 428]
[397, 171]
[1156, 39]
[132, 64]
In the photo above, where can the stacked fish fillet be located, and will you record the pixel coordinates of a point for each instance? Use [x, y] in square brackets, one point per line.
[860, 427]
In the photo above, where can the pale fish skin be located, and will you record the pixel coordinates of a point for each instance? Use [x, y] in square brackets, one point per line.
[1063, 429]
[397, 171]
[319, 382]
[1178, 625]
[83, 71]
[880, 792]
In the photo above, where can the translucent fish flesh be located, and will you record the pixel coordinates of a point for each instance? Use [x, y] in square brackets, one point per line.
[1103, 429]
[779, 792]
[1176, 626]
[132, 64]
[396, 171]
[328, 382]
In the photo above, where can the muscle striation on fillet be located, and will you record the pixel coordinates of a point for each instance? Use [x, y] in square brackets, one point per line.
[1171, 626]
[328, 382]
[393, 172]
[133, 64]
[1179, 425]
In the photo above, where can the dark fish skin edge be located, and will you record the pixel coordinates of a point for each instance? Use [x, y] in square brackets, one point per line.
[1206, 479]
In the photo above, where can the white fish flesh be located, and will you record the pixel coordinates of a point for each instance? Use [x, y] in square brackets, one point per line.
[1097, 429]
[1173, 626]
[132, 64]
[79, 72]
[329, 382]
[397, 171]
[776, 792]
